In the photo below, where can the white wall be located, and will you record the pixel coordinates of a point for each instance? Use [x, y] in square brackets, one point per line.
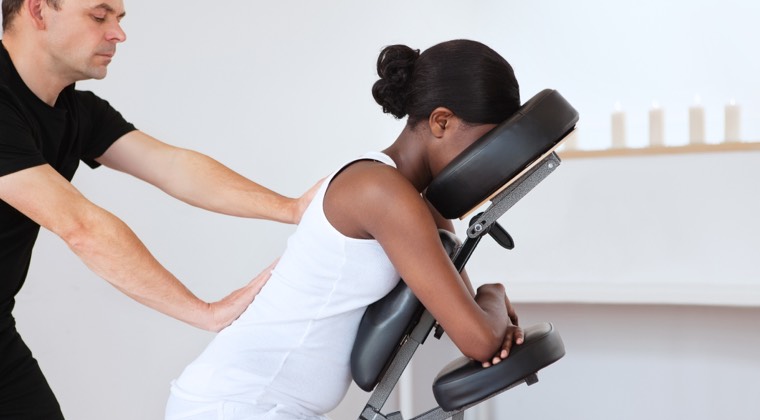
[280, 92]
[627, 362]
[635, 229]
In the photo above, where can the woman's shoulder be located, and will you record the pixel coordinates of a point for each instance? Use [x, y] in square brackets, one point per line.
[371, 179]
[366, 194]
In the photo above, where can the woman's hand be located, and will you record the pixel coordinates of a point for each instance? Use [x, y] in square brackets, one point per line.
[514, 335]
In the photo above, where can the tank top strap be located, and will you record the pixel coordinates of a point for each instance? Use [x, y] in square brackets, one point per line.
[380, 157]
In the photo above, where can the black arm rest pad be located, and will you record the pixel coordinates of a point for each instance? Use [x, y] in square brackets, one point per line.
[501, 154]
[464, 381]
[384, 325]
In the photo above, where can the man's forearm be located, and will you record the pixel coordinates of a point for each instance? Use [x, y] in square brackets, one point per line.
[111, 250]
[198, 179]
[204, 182]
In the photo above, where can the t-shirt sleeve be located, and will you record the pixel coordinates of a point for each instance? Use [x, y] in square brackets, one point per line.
[18, 147]
[105, 124]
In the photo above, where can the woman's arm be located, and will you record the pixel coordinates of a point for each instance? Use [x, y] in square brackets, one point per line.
[514, 333]
[372, 200]
[446, 224]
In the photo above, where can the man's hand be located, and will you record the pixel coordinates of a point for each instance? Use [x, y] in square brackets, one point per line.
[225, 311]
[300, 204]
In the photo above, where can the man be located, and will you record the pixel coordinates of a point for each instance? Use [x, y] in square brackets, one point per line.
[46, 127]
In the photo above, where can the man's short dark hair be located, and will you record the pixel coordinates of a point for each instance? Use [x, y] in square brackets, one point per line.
[12, 7]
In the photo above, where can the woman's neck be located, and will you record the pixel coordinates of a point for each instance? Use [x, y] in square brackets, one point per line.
[409, 152]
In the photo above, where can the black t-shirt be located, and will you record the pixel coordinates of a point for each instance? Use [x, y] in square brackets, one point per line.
[80, 126]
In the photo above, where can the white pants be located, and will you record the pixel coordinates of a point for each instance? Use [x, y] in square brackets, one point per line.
[184, 407]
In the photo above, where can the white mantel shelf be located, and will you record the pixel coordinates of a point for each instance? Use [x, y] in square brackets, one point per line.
[661, 150]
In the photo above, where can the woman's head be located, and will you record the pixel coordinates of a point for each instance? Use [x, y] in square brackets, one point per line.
[467, 77]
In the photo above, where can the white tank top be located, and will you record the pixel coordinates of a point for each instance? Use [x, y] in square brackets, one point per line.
[293, 344]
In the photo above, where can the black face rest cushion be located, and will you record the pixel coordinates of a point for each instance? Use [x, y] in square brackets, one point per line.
[502, 153]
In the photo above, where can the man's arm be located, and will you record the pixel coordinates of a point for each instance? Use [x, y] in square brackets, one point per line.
[200, 180]
[110, 249]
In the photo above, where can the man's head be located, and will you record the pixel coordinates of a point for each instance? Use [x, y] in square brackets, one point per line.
[73, 39]
[11, 8]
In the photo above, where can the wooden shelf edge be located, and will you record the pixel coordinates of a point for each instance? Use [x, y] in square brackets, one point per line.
[661, 150]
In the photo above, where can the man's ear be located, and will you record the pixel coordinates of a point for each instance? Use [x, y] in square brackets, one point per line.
[440, 120]
[34, 7]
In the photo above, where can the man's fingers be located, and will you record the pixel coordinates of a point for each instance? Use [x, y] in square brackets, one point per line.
[304, 201]
[231, 306]
[261, 279]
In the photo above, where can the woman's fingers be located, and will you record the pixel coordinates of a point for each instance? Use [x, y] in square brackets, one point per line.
[514, 336]
[519, 336]
[510, 310]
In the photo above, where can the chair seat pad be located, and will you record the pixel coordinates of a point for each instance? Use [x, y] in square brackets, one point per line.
[464, 381]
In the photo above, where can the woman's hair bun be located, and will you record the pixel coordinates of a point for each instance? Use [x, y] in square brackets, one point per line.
[394, 66]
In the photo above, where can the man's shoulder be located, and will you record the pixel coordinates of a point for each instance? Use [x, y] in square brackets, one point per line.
[10, 105]
[87, 100]
[7, 93]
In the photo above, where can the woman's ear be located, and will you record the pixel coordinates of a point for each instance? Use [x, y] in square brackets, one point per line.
[441, 119]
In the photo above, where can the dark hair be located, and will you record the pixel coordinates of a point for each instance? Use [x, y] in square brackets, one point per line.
[12, 7]
[469, 78]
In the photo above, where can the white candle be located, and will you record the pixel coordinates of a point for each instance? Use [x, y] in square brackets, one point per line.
[618, 127]
[696, 123]
[732, 122]
[656, 125]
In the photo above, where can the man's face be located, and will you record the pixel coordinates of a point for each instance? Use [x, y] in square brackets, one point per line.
[82, 36]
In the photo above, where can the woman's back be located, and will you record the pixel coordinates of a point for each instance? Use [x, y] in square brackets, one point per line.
[292, 345]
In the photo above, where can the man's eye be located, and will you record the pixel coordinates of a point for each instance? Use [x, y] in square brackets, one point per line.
[99, 19]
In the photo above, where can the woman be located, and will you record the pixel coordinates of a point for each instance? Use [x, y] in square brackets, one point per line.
[288, 355]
